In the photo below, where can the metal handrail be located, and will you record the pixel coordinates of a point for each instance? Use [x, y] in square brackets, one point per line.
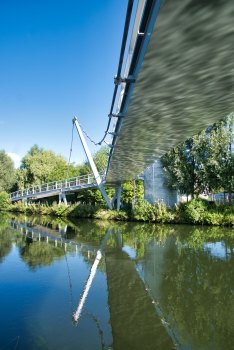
[57, 185]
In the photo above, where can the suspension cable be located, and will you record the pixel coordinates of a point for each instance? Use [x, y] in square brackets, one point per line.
[70, 150]
[70, 284]
[118, 76]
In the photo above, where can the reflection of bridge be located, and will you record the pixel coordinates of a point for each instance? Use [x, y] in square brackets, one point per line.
[178, 79]
[51, 235]
[134, 319]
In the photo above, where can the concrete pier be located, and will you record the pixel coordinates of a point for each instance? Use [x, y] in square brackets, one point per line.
[155, 188]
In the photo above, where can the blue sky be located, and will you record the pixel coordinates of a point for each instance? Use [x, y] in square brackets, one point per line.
[58, 59]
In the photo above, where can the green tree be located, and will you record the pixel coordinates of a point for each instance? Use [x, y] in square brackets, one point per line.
[181, 167]
[7, 172]
[128, 191]
[61, 170]
[203, 163]
[40, 166]
[215, 156]
[21, 179]
[4, 196]
[100, 158]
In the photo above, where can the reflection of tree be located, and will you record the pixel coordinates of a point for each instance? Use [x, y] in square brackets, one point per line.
[39, 254]
[197, 297]
[4, 221]
[6, 236]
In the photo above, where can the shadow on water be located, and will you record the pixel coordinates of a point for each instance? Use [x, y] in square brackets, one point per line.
[168, 286]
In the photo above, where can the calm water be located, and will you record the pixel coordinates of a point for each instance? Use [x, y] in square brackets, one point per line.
[105, 285]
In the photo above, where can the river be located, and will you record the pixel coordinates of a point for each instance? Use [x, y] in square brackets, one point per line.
[90, 284]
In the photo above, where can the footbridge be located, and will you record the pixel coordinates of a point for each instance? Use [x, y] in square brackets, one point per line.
[60, 187]
[178, 80]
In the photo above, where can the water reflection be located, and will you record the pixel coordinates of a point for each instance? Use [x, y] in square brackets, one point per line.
[168, 286]
[93, 270]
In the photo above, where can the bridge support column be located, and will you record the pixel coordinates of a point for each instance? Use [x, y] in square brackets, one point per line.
[62, 196]
[118, 195]
[155, 188]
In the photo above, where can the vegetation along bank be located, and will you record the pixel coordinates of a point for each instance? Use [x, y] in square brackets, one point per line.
[196, 211]
[203, 164]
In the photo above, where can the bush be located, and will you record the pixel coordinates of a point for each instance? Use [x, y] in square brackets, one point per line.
[83, 210]
[194, 210]
[144, 211]
[4, 200]
[212, 218]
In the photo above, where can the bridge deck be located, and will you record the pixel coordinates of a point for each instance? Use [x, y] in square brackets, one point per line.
[67, 186]
[185, 83]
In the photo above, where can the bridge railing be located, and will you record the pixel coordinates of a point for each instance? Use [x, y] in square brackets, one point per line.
[78, 181]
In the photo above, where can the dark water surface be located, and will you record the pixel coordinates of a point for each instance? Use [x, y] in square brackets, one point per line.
[87, 284]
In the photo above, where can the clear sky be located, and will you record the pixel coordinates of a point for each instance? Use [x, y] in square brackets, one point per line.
[58, 59]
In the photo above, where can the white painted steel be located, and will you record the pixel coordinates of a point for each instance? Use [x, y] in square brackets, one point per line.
[140, 8]
[96, 175]
[185, 83]
[62, 196]
[56, 187]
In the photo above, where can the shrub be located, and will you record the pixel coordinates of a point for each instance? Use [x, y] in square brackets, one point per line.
[144, 211]
[62, 210]
[83, 210]
[194, 210]
[212, 218]
[18, 206]
[4, 200]
[228, 219]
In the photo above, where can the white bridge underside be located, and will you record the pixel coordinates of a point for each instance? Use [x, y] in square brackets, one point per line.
[185, 83]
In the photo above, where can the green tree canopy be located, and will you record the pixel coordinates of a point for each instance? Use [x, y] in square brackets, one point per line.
[40, 166]
[7, 172]
[203, 163]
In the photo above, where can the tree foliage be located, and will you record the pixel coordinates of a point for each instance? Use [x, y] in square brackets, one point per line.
[203, 163]
[38, 254]
[41, 166]
[38, 164]
[7, 172]
[4, 196]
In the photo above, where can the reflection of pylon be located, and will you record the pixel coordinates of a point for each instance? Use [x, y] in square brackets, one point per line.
[87, 286]
[62, 232]
[76, 315]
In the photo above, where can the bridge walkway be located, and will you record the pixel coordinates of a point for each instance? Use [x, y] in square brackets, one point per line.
[66, 186]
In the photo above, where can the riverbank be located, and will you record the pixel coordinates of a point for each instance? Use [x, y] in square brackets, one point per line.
[196, 211]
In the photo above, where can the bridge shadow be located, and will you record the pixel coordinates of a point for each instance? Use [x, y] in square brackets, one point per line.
[133, 317]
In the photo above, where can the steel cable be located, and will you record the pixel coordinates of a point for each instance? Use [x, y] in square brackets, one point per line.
[118, 76]
[70, 151]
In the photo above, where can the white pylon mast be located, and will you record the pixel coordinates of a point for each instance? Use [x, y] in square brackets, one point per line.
[92, 164]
